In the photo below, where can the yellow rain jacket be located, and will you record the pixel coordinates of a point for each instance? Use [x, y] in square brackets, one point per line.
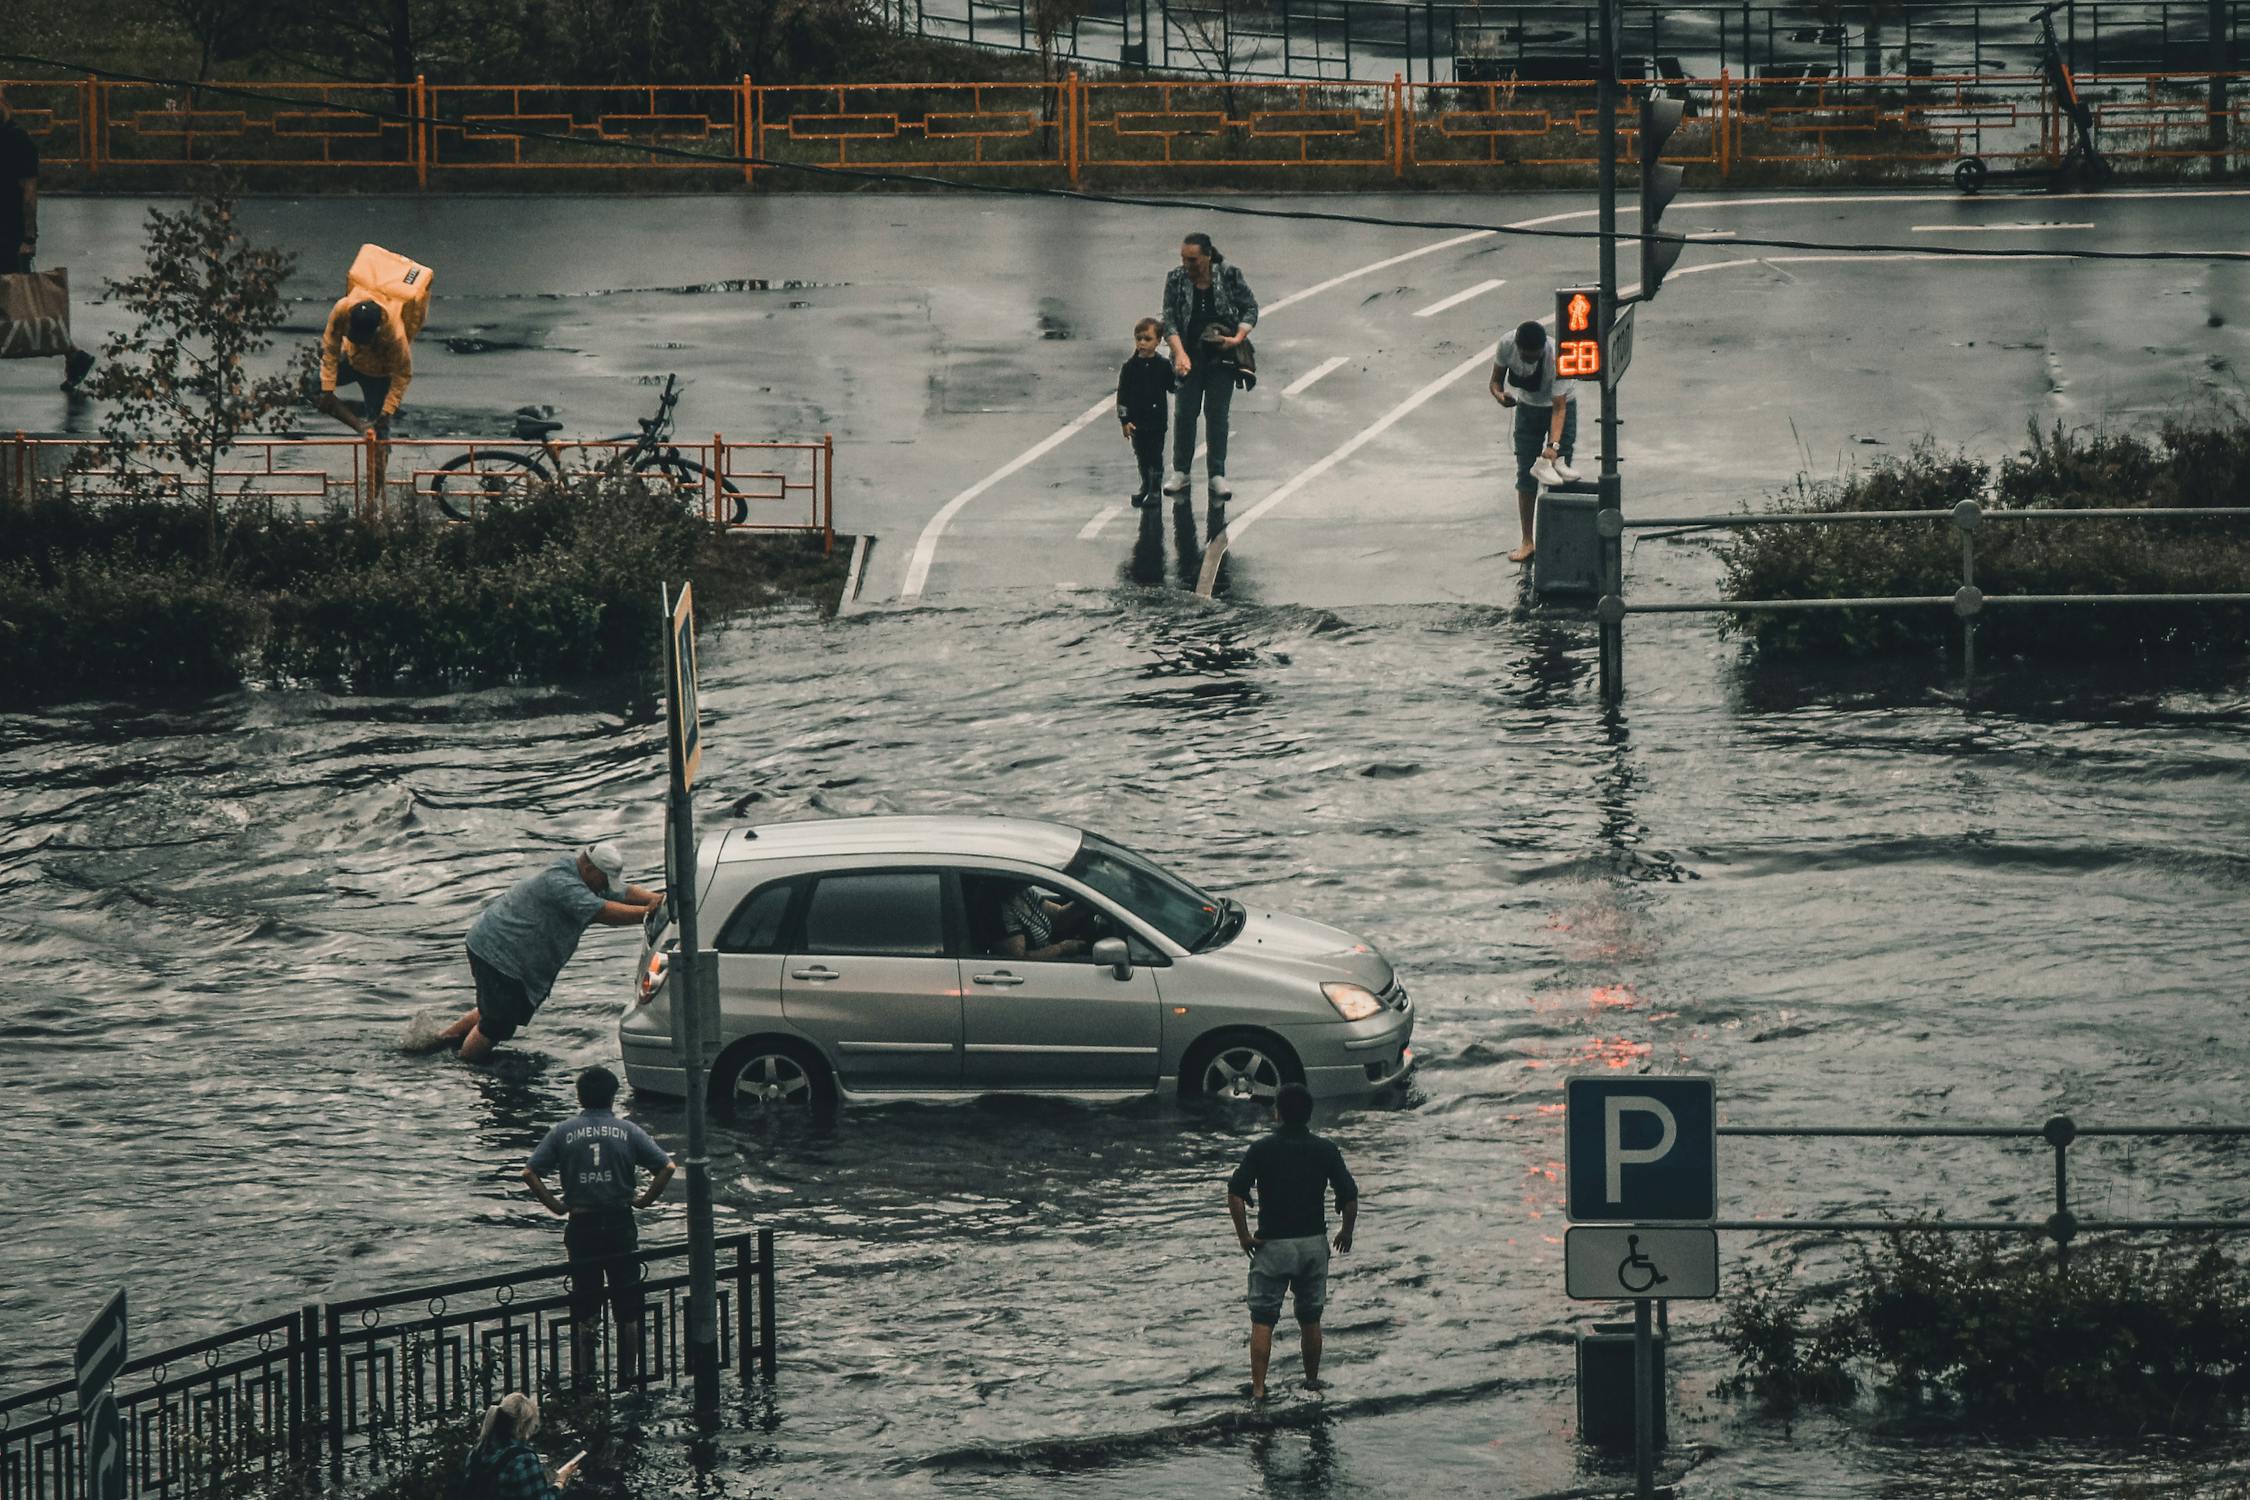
[388, 354]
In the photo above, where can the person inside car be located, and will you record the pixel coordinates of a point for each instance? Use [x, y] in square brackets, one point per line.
[1036, 926]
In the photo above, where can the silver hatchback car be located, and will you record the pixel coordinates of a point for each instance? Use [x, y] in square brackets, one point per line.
[875, 957]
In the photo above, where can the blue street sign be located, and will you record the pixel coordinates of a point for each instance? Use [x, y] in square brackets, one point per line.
[1641, 1150]
[101, 1351]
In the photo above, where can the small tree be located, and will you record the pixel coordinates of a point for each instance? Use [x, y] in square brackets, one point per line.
[181, 383]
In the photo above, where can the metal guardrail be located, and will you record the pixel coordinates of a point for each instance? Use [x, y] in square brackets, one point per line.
[737, 486]
[327, 1385]
[2059, 1132]
[2154, 120]
[1967, 602]
[1434, 41]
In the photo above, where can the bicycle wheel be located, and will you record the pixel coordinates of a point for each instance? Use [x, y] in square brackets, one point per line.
[691, 476]
[463, 483]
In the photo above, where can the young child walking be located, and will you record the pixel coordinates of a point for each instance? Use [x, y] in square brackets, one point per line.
[1141, 388]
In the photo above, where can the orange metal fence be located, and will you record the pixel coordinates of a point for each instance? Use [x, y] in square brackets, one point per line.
[1069, 126]
[738, 487]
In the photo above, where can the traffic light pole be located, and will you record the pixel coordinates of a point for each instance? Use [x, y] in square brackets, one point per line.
[1610, 508]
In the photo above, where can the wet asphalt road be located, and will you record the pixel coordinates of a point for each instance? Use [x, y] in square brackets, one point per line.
[1854, 897]
[943, 340]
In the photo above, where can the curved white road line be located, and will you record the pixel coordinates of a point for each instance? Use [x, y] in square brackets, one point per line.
[925, 548]
[1215, 552]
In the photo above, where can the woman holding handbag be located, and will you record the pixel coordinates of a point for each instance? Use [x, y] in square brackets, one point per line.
[1209, 311]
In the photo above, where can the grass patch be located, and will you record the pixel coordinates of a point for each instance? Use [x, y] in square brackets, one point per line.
[553, 585]
[2190, 464]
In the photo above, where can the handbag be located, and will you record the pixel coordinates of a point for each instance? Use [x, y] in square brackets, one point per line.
[1244, 358]
[35, 314]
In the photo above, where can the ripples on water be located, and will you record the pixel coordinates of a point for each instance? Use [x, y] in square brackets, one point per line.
[1863, 903]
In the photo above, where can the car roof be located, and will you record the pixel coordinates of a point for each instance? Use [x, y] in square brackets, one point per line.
[1050, 844]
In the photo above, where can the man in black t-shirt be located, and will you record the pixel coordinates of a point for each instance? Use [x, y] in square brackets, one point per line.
[19, 218]
[1290, 1171]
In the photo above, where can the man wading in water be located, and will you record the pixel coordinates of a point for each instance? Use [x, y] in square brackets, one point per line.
[1289, 1253]
[523, 940]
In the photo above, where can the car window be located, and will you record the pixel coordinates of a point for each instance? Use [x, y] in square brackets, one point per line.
[890, 911]
[1164, 901]
[755, 926]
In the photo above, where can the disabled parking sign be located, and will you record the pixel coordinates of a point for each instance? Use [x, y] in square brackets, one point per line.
[1640, 1150]
[1640, 1262]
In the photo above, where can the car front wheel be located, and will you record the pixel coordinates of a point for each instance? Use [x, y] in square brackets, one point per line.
[1244, 1069]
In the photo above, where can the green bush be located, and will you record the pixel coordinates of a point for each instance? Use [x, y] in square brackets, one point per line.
[553, 584]
[2182, 464]
[1994, 1330]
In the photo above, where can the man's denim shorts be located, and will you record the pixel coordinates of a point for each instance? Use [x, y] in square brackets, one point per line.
[1298, 1266]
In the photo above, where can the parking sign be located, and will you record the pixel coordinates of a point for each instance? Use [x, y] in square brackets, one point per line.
[1641, 1150]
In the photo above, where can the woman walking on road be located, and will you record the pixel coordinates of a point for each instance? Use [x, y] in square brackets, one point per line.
[1209, 311]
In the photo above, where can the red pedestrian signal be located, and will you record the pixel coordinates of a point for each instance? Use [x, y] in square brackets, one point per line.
[1578, 347]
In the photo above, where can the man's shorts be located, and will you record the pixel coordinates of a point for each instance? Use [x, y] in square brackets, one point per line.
[1532, 423]
[1298, 1266]
[374, 390]
[503, 1004]
[591, 1238]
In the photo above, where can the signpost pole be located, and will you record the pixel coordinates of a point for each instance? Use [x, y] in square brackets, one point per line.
[1612, 565]
[703, 1264]
[101, 1432]
[1644, 1406]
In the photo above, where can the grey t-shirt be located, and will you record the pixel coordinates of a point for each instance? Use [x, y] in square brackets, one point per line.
[1531, 381]
[598, 1153]
[531, 931]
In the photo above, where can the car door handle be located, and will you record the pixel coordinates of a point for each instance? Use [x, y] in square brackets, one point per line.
[1002, 978]
[815, 972]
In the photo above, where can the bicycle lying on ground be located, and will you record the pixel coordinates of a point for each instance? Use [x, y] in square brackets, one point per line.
[483, 472]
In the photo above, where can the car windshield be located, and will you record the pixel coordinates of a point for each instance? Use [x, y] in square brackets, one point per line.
[1169, 904]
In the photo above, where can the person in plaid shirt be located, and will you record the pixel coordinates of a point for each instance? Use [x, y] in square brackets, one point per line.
[503, 1465]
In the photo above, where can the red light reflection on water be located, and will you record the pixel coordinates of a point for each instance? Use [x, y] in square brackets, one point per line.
[1616, 1053]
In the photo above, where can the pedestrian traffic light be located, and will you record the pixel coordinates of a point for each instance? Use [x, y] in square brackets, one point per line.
[1660, 184]
[1578, 344]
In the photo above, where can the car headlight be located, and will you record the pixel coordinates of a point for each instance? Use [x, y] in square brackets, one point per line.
[653, 975]
[1354, 1002]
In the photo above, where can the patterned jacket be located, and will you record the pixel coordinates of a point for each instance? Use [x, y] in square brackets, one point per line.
[1231, 300]
[509, 1471]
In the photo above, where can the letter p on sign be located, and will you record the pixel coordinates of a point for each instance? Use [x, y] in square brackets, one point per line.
[1640, 1150]
[1614, 1153]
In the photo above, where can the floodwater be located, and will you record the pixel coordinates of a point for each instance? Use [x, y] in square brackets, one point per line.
[1862, 901]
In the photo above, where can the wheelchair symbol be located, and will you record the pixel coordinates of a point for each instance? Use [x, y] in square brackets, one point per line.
[1636, 1272]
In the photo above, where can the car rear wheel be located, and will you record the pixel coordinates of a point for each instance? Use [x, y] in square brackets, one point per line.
[770, 1081]
[1241, 1069]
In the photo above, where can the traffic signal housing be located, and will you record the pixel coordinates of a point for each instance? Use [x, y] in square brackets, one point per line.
[1660, 184]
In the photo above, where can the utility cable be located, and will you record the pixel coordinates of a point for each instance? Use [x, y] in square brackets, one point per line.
[1119, 200]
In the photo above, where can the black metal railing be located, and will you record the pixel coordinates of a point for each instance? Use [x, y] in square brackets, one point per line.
[310, 1390]
[1444, 41]
[2059, 1132]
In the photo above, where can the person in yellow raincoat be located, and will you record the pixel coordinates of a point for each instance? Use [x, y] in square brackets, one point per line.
[366, 342]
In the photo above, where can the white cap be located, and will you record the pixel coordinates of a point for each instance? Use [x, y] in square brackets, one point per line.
[607, 858]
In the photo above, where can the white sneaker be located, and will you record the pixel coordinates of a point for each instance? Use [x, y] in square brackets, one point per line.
[1220, 489]
[1175, 483]
[1543, 469]
[1562, 467]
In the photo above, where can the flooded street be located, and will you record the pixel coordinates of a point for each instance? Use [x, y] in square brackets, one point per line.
[1856, 902]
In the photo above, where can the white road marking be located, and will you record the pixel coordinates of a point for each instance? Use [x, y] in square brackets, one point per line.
[1093, 528]
[1713, 234]
[1992, 228]
[1215, 553]
[925, 548]
[1332, 363]
[1456, 300]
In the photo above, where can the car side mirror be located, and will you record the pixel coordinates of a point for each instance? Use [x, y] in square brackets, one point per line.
[1118, 957]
